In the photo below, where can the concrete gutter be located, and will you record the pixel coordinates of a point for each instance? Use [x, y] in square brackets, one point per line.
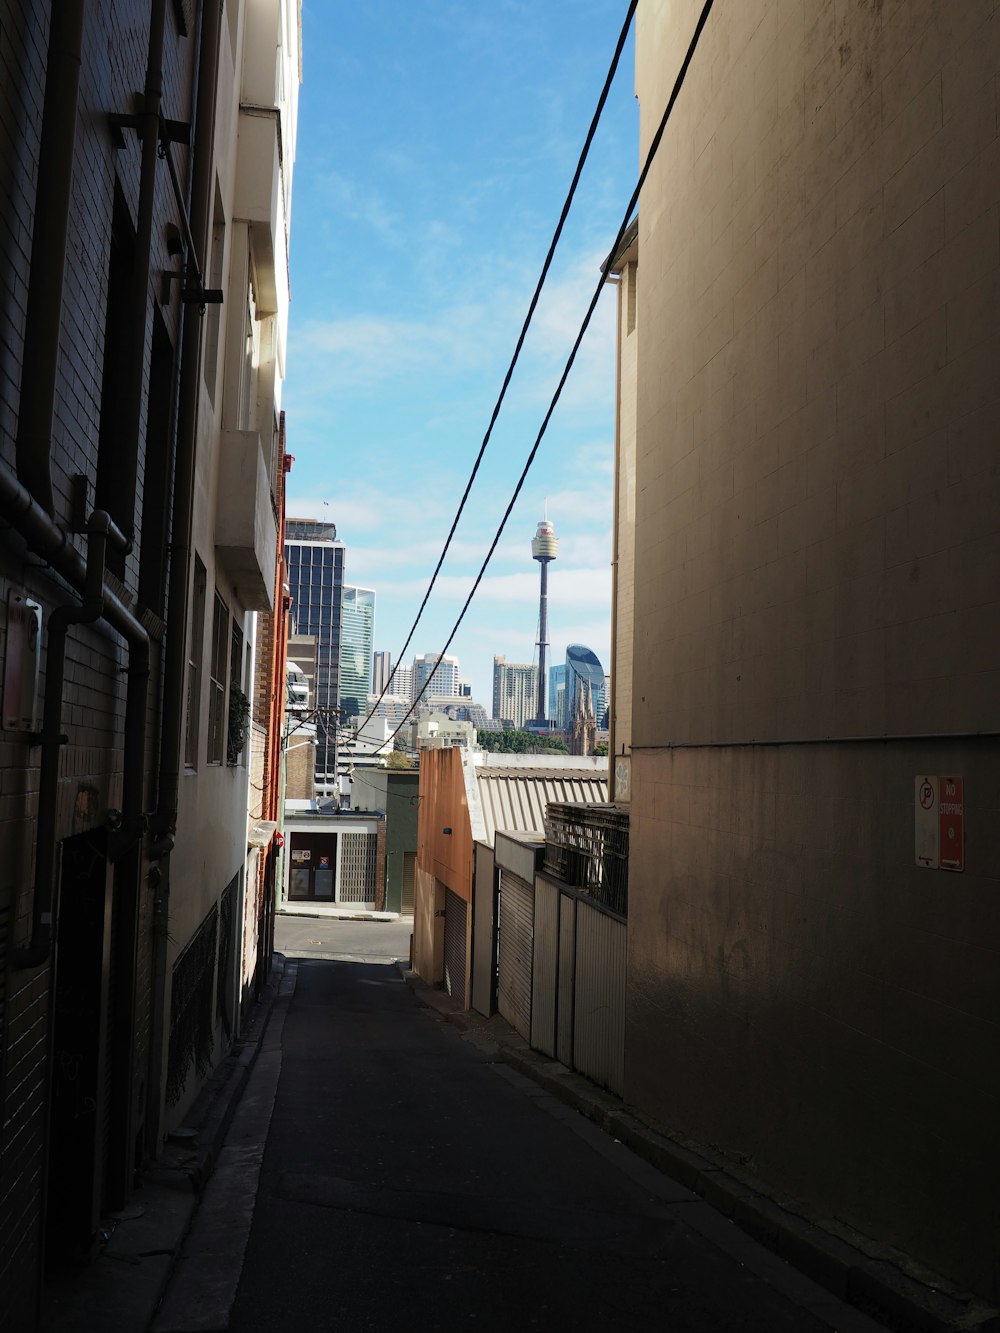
[904, 1301]
[124, 1285]
[318, 912]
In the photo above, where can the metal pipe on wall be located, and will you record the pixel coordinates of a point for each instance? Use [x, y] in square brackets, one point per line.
[100, 528]
[50, 541]
[149, 136]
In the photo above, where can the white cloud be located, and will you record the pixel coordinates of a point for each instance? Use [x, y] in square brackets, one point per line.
[567, 587]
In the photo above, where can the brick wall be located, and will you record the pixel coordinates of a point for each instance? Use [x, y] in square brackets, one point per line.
[114, 58]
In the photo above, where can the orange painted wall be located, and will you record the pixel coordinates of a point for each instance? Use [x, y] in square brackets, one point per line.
[443, 804]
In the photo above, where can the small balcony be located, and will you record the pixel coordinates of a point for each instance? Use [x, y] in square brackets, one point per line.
[260, 200]
[246, 535]
[586, 846]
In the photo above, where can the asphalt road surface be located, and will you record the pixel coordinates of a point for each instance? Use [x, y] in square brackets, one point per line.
[408, 1178]
[362, 941]
[384, 1169]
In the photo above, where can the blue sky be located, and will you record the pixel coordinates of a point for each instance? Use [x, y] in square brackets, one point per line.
[437, 139]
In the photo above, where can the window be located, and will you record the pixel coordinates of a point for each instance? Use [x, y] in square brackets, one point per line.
[238, 712]
[218, 711]
[196, 640]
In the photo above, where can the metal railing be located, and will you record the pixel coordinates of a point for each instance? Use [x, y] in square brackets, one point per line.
[586, 846]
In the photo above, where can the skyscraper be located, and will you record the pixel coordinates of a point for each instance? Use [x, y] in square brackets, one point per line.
[381, 672]
[357, 627]
[442, 671]
[315, 561]
[583, 669]
[515, 692]
[557, 695]
[401, 681]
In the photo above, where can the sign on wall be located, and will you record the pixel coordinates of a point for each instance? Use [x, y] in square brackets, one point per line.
[939, 822]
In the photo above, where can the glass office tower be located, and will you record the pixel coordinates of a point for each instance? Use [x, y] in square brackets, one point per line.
[357, 627]
[557, 696]
[583, 668]
[315, 561]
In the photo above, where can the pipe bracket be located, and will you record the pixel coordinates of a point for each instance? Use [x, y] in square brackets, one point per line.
[118, 123]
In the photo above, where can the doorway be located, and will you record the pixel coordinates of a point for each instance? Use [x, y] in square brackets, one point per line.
[81, 1063]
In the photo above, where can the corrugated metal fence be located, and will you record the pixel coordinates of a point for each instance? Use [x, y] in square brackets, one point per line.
[562, 976]
[515, 950]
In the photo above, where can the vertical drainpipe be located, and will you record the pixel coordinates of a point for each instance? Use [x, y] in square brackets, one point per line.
[276, 720]
[613, 701]
[182, 519]
[138, 317]
[125, 844]
[43, 315]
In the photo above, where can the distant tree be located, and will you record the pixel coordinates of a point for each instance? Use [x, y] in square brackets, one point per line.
[601, 747]
[520, 742]
[397, 759]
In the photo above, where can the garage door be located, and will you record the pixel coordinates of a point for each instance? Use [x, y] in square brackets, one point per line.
[409, 866]
[455, 917]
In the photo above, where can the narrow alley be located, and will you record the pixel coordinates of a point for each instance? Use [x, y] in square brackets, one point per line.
[411, 1177]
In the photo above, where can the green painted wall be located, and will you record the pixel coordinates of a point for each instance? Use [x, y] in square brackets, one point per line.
[396, 794]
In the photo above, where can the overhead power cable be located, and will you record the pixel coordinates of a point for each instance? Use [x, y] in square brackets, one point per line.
[651, 154]
[609, 79]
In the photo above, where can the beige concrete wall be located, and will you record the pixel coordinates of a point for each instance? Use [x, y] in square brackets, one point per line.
[818, 405]
[806, 999]
[818, 561]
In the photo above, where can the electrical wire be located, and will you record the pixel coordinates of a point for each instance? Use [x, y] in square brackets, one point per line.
[651, 154]
[609, 79]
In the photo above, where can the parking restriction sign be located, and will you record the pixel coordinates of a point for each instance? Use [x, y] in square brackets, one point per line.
[951, 823]
[927, 832]
[939, 822]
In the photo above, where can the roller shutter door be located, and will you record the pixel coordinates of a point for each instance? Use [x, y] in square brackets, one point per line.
[455, 915]
[515, 951]
[409, 869]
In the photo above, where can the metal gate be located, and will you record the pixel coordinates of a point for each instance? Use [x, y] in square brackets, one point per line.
[455, 920]
[514, 963]
[358, 857]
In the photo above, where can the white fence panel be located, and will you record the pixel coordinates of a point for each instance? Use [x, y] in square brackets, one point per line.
[599, 1009]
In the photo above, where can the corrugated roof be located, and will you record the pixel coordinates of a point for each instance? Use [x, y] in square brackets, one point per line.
[514, 800]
